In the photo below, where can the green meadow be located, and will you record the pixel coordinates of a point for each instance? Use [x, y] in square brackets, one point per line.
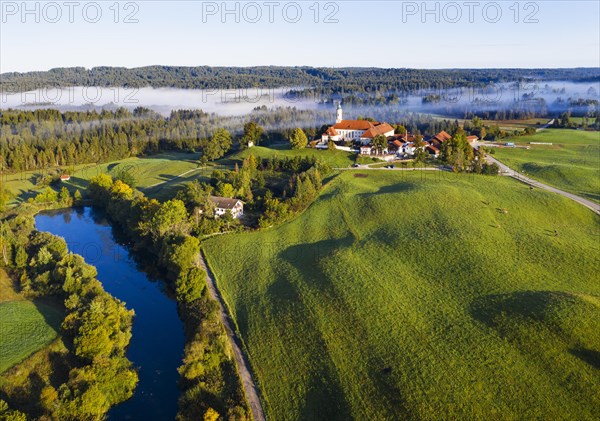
[413, 295]
[571, 163]
[335, 158]
[25, 327]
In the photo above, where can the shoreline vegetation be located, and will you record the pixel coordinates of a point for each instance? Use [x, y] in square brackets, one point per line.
[84, 372]
[209, 381]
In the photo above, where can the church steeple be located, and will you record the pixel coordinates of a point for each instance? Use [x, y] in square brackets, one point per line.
[339, 112]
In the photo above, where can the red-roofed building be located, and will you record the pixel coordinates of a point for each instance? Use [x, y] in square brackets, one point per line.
[394, 146]
[355, 130]
[432, 150]
[472, 139]
[440, 138]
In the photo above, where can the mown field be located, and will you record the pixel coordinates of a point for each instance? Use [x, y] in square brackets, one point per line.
[25, 327]
[571, 163]
[401, 295]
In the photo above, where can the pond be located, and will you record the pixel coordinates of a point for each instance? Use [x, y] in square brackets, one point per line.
[157, 343]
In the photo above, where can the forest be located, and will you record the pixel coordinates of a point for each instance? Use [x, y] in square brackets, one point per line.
[330, 80]
[45, 139]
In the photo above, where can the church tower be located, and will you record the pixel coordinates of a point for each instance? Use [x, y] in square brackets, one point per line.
[338, 115]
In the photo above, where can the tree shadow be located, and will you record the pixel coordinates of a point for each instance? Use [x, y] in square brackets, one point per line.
[400, 187]
[589, 356]
[25, 195]
[533, 305]
[52, 309]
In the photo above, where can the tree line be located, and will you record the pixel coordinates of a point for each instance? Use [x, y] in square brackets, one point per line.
[329, 80]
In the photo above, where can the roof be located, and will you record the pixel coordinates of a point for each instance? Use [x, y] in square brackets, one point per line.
[354, 125]
[331, 132]
[366, 147]
[433, 149]
[224, 202]
[377, 130]
[65, 177]
[442, 136]
[470, 138]
[397, 143]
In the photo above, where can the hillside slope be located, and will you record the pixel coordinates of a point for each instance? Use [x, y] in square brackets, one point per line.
[421, 296]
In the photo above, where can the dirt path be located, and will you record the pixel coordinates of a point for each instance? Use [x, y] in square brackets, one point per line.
[507, 171]
[545, 126]
[250, 388]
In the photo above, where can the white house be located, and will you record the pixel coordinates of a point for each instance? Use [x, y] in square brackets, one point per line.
[225, 204]
[355, 130]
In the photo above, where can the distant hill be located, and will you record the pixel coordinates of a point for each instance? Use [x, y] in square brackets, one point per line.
[332, 80]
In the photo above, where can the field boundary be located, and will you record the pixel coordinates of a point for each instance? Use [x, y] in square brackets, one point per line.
[243, 366]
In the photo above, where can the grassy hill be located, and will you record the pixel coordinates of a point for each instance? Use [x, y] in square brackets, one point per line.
[401, 295]
[571, 163]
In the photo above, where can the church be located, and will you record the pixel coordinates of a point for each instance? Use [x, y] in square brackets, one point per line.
[362, 131]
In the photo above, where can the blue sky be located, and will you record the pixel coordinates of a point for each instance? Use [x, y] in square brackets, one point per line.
[358, 33]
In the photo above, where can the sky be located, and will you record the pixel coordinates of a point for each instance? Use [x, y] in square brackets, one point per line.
[461, 34]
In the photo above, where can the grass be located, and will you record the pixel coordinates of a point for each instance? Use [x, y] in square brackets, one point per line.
[7, 292]
[571, 163]
[25, 327]
[414, 295]
[148, 172]
[335, 158]
[157, 175]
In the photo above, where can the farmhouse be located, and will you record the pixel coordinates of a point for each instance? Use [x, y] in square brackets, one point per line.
[440, 138]
[65, 177]
[362, 131]
[433, 151]
[225, 204]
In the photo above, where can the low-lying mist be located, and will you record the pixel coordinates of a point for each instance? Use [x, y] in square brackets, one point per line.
[310, 106]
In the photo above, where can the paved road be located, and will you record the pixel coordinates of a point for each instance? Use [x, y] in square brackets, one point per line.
[250, 388]
[392, 169]
[507, 171]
